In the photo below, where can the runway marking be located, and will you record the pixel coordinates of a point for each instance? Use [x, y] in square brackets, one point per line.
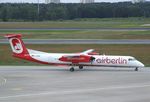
[17, 89]
[76, 91]
[4, 80]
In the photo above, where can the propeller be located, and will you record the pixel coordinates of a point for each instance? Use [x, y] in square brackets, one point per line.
[92, 59]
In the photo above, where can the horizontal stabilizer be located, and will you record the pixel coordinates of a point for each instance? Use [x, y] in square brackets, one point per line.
[12, 35]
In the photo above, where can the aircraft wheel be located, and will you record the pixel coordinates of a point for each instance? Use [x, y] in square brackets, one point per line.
[80, 67]
[71, 69]
[136, 69]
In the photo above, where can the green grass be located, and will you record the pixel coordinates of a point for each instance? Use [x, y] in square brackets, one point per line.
[141, 52]
[79, 34]
[82, 23]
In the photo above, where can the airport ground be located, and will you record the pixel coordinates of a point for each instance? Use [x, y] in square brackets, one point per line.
[108, 28]
[141, 52]
[80, 33]
[39, 83]
[131, 22]
[57, 84]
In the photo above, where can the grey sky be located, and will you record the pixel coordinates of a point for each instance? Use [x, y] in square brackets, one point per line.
[66, 1]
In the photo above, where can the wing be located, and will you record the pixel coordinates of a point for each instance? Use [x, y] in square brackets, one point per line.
[84, 56]
[75, 58]
[87, 51]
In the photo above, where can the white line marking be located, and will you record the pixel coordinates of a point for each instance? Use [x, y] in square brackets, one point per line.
[76, 91]
[4, 81]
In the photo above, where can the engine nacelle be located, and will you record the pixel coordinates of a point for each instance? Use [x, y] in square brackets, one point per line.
[77, 59]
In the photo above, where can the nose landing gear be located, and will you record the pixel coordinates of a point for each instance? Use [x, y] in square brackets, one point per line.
[136, 69]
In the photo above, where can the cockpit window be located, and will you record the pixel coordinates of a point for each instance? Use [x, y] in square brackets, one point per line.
[131, 59]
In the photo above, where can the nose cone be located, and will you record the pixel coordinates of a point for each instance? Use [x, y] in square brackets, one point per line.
[141, 64]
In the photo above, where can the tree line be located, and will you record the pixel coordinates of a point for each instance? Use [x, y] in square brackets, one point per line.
[29, 12]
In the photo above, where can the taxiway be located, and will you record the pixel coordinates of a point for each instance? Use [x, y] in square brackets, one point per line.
[60, 29]
[81, 41]
[57, 84]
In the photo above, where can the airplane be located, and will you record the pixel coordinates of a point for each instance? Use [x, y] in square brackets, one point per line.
[85, 58]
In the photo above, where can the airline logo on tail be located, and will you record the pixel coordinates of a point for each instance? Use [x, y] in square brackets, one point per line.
[16, 45]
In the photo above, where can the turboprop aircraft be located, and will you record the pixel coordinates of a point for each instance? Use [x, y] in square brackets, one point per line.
[86, 58]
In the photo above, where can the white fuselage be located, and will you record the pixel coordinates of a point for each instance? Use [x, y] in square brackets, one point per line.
[100, 60]
[86, 58]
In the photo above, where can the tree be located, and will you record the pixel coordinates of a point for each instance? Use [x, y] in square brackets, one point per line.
[28, 12]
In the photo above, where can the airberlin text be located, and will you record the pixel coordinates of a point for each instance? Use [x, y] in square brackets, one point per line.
[106, 60]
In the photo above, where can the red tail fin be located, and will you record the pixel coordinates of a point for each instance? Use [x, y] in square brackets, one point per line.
[17, 44]
[19, 49]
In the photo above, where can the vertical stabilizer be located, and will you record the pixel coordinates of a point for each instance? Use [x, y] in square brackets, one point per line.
[17, 45]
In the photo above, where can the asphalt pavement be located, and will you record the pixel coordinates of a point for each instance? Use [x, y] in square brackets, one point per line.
[58, 84]
[81, 41]
[102, 29]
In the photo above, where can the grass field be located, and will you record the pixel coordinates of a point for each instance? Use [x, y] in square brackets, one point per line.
[79, 34]
[82, 23]
[141, 52]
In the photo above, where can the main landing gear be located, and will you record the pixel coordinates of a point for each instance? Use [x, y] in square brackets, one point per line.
[72, 68]
[136, 69]
[80, 67]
